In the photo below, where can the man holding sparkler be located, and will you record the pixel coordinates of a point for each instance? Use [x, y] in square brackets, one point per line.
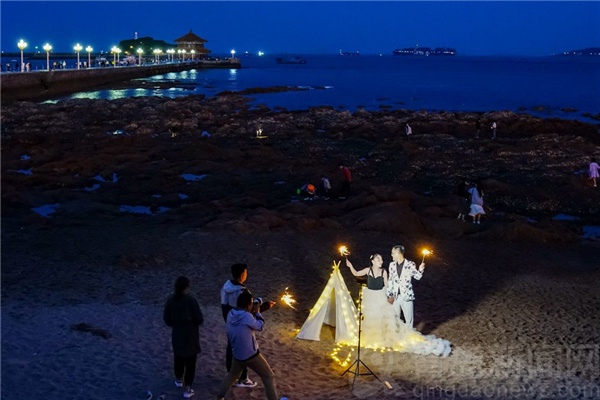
[400, 291]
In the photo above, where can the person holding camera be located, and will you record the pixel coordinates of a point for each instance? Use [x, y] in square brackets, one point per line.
[230, 293]
[242, 322]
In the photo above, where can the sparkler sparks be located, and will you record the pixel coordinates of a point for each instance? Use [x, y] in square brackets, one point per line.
[425, 253]
[288, 299]
[344, 251]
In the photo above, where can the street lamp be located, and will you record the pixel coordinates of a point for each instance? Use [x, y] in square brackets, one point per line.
[47, 47]
[78, 48]
[21, 45]
[232, 54]
[140, 52]
[156, 57]
[170, 52]
[193, 54]
[89, 50]
[114, 51]
[118, 50]
[183, 54]
[179, 52]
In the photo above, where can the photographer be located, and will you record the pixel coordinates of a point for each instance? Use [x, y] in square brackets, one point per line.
[242, 322]
[230, 293]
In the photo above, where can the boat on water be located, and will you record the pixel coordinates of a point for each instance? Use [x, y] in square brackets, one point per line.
[349, 53]
[425, 51]
[293, 60]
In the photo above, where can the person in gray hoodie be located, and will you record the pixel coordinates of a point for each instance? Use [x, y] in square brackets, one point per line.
[242, 322]
[230, 292]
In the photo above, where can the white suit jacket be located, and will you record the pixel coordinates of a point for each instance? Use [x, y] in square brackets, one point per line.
[399, 282]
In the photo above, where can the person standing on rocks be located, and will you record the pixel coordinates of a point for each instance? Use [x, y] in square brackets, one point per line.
[477, 210]
[408, 130]
[494, 127]
[465, 199]
[346, 180]
[324, 188]
[593, 171]
[399, 289]
[183, 314]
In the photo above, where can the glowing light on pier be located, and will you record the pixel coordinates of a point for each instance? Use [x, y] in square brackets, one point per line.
[22, 45]
[78, 48]
[89, 50]
[47, 48]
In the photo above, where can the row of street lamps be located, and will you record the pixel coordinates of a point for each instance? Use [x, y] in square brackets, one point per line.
[115, 50]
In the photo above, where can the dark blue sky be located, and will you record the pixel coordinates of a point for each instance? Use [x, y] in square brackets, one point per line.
[474, 28]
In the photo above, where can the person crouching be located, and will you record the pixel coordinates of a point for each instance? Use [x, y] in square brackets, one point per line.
[242, 322]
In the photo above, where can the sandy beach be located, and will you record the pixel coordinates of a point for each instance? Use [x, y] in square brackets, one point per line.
[83, 289]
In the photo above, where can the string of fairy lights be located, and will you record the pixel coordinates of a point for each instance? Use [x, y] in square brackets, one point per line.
[350, 316]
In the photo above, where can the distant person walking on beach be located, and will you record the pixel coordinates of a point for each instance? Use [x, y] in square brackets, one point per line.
[476, 203]
[465, 199]
[593, 172]
[494, 127]
[408, 129]
[477, 129]
[242, 322]
[346, 180]
[183, 314]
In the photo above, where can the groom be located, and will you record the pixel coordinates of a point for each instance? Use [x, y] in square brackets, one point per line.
[400, 292]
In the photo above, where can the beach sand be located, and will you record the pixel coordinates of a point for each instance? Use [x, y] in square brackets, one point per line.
[515, 324]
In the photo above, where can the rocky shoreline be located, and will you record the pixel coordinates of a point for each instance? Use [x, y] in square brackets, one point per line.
[534, 171]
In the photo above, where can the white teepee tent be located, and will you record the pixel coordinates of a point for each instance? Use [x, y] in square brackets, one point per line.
[334, 307]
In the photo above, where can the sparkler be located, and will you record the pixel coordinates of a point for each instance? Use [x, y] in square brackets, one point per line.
[288, 299]
[425, 253]
[344, 251]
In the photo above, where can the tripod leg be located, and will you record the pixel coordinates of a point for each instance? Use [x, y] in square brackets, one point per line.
[371, 372]
[355, 374]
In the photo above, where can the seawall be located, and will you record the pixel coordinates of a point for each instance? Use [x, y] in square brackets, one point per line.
[48, 84]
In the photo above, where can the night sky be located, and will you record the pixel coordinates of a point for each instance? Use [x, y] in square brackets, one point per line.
[474, 28]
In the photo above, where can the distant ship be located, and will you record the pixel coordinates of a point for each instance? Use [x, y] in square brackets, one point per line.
[425, 51]
[293, 60]
[347, 53]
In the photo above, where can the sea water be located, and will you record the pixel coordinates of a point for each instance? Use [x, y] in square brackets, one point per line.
[545, 86]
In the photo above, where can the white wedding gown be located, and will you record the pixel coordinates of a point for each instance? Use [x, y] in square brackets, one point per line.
[382, 329]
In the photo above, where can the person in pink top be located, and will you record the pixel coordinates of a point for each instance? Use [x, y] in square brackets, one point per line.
[346, 179]
[594, 168]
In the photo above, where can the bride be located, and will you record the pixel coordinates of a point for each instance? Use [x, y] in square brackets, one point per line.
[380, 327]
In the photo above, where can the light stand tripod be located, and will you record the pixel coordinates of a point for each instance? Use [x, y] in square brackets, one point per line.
[358, 361]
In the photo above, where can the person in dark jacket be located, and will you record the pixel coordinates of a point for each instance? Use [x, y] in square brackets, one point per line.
[230, 292]
[242, 322]
[465, 202]
[183, 314]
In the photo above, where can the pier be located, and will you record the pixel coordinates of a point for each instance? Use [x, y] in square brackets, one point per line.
[40, 85]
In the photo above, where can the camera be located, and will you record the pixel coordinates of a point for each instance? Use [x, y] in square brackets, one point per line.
[258, 301]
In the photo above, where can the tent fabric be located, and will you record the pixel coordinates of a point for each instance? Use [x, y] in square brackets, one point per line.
[335, 308]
